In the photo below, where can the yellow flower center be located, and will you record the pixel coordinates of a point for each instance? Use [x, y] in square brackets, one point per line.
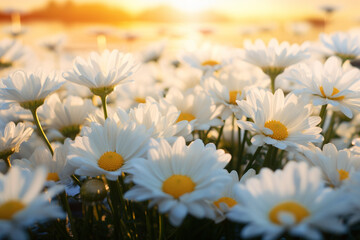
[335, 91]
[210, 63]
[53, 176]
[140, 100]
[10, 208]
[279, 130]
[111, 161]
[185, 116]
[343, 174]
[227, 200]
[232, 96]
[177, 185]
[298, 211]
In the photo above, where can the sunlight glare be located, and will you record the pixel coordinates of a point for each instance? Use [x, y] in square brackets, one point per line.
[192, 6]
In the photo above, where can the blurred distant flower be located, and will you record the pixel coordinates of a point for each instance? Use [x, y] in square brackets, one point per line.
[292, 200]
[336, 166]
[342, 44]
[53, 43]
[328, 83]
[179, 179]
[284, 122]
[22, 204]
[208, 57]
[28, 90]
[153, 52]
[10, 51]
[274, 58]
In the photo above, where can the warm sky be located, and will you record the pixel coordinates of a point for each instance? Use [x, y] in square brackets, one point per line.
[234, 8]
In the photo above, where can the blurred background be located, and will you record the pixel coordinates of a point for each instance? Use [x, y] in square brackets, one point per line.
[129, 25]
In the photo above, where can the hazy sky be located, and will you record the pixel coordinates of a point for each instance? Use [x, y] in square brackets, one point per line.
[235, 8]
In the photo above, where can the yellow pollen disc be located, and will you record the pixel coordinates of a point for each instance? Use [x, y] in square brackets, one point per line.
[53, 176]
[298, 211]
[10, 208]
[177, 185]
[110, 161]
[343, 174]
[279, 130]
[232, 96]
[140, 100]
[227, 200]
[210, 63]
[185, 116]
[335, 91]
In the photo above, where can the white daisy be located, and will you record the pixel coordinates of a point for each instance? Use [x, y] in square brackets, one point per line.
[275, 57]
[279, 121]
[342, 44]
[328, 83]
[101, 73]
[162, 122]
[196, 107]
[352, 187]
[232, 85]
[22, 204]
[179, 179]
[27, 89]
[10, 51]
[291, 200]
[208, 57]
[12, 136]
[66, 116]
[228, 199]
[336, 166]
[59, 171]
[107, 149]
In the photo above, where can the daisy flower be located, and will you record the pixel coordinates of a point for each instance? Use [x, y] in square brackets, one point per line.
[10, 51]
[11, 138]
[328, 83]
[59, 171]
[275, 57]
[102, 73]
[66, 116]
[208, 57]
[342, 44]
[107, 149]
[196, 107]
[179, 179]
[27, 89]
[352, 187]
[153, 52]
[279, 121]
[231, 85]
[292, 200]
[22, 204]
[228, 198]
[336, 166]
[162, 121]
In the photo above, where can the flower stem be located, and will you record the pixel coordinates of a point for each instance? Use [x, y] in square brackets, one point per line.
[330, 131]
[103, 101]
[258, 150]
[241, 150]
[270, 159]
[66, 207]
[114, 197]
[220, 134]
[322, 115]
[7, 161]
[38, 125]
[161, 226]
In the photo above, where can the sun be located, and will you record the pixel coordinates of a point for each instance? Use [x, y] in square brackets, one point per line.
[192, 6]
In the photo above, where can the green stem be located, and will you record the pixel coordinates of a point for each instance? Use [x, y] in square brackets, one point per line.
[38, 125]
[322, 115]
[7, 161]
[103, 101]
[269, 161]
[76, 180]
[161, 226]
[220, 134]
[232, 141]
[66, 207]
[330, 130]
[258, 150]
[241, 150]
[114, 197]
[148, 225]
[272, 78]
